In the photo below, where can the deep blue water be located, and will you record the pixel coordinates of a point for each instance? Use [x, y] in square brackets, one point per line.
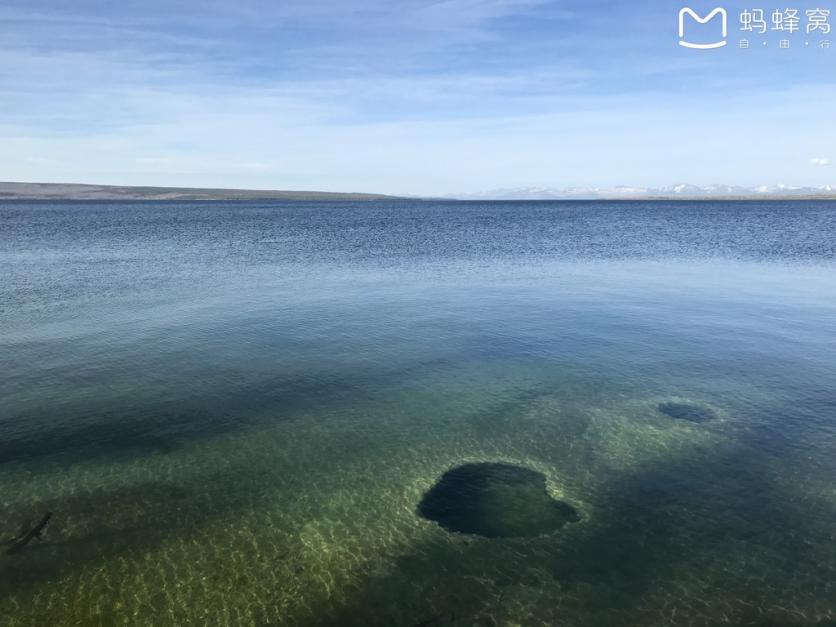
[233, 411]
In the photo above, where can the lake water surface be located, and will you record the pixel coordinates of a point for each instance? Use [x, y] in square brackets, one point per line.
[247, 413]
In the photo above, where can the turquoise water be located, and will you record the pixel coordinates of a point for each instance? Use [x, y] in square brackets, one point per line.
[234, 410]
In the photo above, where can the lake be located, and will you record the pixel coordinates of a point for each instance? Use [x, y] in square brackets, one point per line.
[418, 413]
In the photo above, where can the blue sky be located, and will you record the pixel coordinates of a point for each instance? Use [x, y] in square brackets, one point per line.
[406, 97]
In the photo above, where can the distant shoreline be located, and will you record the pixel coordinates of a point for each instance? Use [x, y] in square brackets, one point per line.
[88, 192]
[643, 199]
[73, 191]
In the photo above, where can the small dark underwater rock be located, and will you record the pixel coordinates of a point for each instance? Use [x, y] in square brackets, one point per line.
[495, 500]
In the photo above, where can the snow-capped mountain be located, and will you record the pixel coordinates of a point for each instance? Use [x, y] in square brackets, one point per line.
[682, 190]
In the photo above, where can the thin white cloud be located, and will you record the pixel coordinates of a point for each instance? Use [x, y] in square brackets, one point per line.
[820, 162]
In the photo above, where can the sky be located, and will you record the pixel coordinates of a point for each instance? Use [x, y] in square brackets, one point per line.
[410, 97]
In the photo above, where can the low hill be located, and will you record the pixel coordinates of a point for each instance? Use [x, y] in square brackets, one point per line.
[61, 191]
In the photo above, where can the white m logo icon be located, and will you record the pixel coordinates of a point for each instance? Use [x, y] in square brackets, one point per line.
[724, 21]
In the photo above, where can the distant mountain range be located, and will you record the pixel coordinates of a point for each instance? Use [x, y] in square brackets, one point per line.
[682, 191]
[60, 191]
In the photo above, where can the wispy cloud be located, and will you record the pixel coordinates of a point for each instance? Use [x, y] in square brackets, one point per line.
[820, 162]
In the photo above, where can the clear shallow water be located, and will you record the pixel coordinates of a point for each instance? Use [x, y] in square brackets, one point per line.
[233, 411]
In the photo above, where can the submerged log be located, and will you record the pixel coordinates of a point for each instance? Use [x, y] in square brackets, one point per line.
[21, 542]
